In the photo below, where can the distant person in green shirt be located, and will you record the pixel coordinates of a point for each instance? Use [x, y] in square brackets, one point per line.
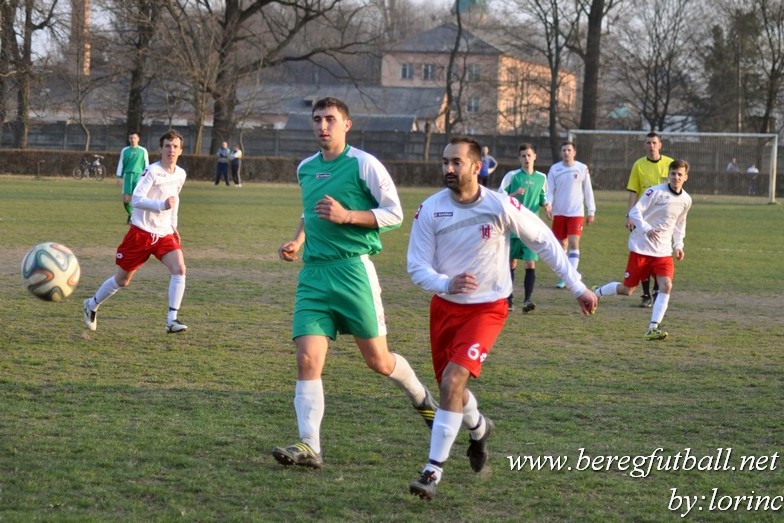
[348, 200]
[133, 161]
[529, 187]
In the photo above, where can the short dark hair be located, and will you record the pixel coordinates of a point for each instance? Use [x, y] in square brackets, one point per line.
[676, 164]
[171, 135]
[569, 143]
[654, 134]
[474, 149]
[328, 102]
[523, 146]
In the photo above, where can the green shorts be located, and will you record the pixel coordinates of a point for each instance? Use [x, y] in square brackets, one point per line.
[341, 296]
[130, 180]
[519, 251]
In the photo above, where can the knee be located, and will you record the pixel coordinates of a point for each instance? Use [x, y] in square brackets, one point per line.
[383, 364]
[123, 281]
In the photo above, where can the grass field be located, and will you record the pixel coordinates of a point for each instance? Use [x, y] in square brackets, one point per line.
[130, 424]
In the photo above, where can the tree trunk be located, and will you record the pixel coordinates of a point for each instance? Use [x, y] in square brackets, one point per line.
[592, 63]
[135, 115]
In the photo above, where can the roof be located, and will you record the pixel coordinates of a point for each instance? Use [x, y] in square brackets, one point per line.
[391, 102]
[359, 122]
[442, 40]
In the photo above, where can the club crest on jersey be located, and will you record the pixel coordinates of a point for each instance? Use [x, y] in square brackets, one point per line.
[485, 230]
[323, 176]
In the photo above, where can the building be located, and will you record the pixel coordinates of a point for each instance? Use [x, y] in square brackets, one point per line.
[502, 89]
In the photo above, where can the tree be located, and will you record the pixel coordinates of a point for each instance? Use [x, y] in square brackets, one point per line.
[276, 31]
[655, 59]
[770, 59]
[595, 12]
[21, 20]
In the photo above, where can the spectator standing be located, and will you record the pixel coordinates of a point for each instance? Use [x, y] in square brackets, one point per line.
[222, 163]
[236, 163]
[753, 173]
[489, 166]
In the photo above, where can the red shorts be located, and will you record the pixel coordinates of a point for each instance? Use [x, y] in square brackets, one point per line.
[565, 226]
[640, 266]
[138, 245]
[464, 334]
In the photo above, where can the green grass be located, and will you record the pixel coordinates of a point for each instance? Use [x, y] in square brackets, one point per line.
[129, 424]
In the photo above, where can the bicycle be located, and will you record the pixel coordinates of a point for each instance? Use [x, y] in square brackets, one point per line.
[90, 167]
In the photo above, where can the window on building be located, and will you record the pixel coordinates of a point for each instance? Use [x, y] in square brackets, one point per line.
[473, 105]
[407, 72]
[474, 72]
[429, 71]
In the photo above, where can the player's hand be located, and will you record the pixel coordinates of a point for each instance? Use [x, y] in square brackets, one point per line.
[653, 235]
[462, 284]
[328, 208]
[630, 224]
[588, 302]
[288, 251]
[679, 254]
[170, 201]
[589, 220]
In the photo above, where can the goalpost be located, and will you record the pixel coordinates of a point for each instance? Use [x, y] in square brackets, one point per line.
[610, 155]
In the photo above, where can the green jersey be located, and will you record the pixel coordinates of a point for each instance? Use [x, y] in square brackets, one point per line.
[133, 160]
[359, 182]
[529, 189]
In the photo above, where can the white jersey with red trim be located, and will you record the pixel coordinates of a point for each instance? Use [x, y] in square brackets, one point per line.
[155, 186]
[449, 238]
[661, 209]
[567, 187]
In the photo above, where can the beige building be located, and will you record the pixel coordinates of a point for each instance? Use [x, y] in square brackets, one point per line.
[499, 90]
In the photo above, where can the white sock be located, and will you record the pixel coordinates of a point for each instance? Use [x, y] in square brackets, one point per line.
[176, 292]
[309, 406]
[608, 289]
[574, 257]
[404, 377]
[659, 308]
[104, 292]
[471, 416]
[446, 425]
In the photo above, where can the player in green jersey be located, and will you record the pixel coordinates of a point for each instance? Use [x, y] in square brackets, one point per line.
[348, 199]
[529, 187]
[133, 161]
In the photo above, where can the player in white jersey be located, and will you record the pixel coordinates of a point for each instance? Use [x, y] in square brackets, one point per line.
[568, 185]
[348, 199]
[153, 232]
[459, 250]
[659, 219]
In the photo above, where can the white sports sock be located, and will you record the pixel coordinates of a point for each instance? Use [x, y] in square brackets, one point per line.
[309, 406]
[471, 415]
[574, 257]
[404, 377]
[104, 292]
[176, 292]
[659, 307]
[446, 425]
[608, 289]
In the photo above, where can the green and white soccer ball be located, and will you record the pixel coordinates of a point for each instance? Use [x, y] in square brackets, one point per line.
[50, 271]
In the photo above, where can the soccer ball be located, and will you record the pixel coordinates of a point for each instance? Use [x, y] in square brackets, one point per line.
[50, 271]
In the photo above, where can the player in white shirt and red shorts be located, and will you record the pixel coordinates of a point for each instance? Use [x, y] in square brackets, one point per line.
[459, 250]
[659, 219]
[153, 232]
[568, 185]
